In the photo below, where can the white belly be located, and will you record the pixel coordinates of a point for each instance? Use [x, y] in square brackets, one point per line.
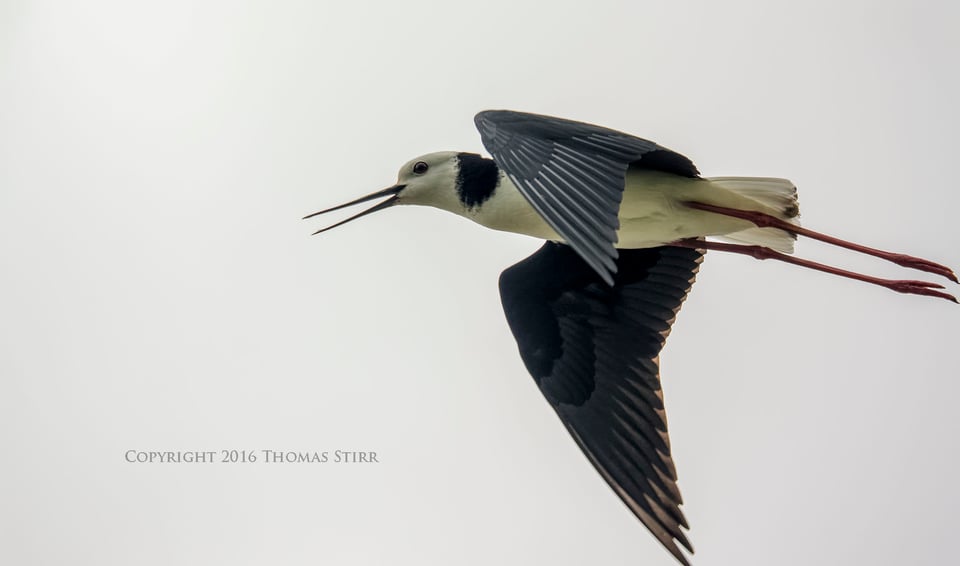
[651, 213]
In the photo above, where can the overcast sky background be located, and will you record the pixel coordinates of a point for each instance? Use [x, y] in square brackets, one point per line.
[160, 292]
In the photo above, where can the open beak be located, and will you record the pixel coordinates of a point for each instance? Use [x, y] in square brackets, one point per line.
[388, 192]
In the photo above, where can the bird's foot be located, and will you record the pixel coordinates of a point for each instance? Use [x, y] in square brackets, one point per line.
[921, 264]
[912, 287]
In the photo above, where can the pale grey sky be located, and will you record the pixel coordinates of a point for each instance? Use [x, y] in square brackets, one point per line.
[159, 291]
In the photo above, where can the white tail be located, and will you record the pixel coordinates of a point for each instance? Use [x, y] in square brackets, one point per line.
[778, 196]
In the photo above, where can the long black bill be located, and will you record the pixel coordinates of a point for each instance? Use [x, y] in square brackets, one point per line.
[388, 192]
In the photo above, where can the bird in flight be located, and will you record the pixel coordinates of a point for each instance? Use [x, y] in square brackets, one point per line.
[625, 222]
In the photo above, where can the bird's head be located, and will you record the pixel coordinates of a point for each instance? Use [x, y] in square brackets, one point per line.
[448, 180]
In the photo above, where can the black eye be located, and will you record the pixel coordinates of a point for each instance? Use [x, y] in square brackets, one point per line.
[420, 167]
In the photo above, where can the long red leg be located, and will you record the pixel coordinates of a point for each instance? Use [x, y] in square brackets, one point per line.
[766, 221]
[911, 287]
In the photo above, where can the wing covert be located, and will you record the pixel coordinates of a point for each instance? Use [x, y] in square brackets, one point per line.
[573, 174]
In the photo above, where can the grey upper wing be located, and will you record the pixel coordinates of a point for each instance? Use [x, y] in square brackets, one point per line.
[573, 174]
[593, 351]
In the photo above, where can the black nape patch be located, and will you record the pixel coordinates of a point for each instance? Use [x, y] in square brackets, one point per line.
[477, 179]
